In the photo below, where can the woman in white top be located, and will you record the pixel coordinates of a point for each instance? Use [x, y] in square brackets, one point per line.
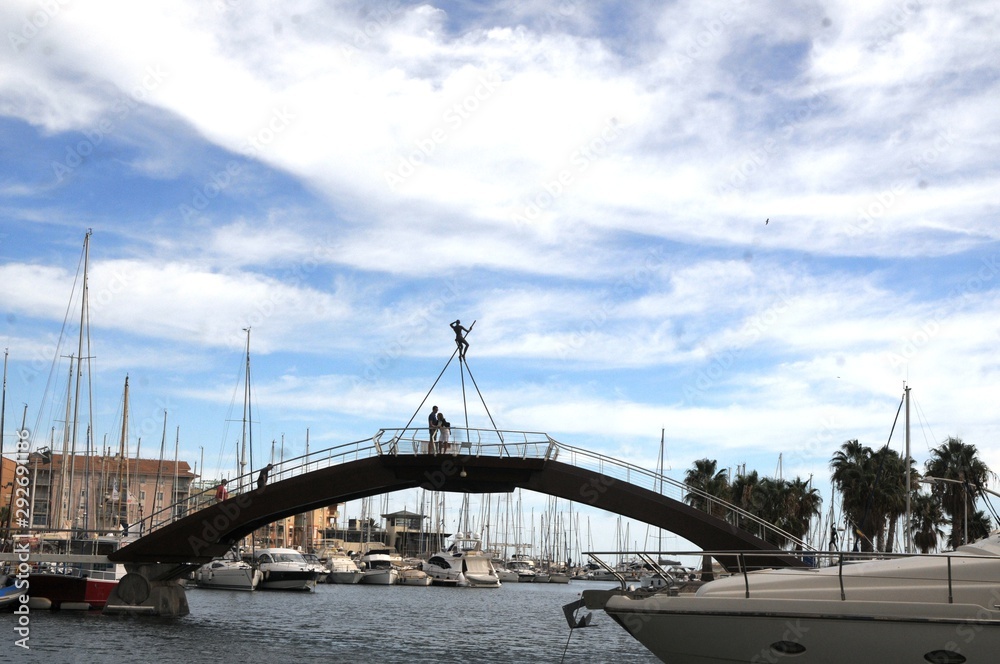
[444, 432]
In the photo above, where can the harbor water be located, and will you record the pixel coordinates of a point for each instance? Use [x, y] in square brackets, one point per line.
[340, 623]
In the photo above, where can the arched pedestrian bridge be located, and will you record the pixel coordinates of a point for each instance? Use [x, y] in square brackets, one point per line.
[480, 461]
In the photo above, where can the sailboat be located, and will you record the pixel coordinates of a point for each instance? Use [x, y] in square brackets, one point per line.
[77, 585]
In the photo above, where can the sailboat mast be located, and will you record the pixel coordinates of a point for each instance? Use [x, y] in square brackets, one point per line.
[64, 471]
[659, 539]
[906, 524]
[122, 455]
[79, 373]
[159, 466]
[3, 413]
[246, 408]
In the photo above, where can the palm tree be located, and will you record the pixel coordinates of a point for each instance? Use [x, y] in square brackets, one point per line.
[959, 462]
[705, 480]
[804, 503]
[890, 492]
[744, 492]
[854, 475]
[926, 521]
[979, 526]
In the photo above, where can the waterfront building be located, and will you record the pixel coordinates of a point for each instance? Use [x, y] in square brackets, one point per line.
[104, 492]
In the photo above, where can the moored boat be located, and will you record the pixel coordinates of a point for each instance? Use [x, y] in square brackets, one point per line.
[343, 569]
[228, 573]
[378, 569]
[78, 585]
[524, 568]
[413, 576]
[940, 608]
[284, 569]
[463, 564]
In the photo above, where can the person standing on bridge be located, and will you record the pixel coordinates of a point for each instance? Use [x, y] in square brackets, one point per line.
[221, 492]
[262, 476]
[432, 429]
[444, 432]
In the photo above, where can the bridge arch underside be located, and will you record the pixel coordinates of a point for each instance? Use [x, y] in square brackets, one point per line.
[212, 531]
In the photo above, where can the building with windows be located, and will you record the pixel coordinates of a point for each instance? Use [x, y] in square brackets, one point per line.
[101, 492]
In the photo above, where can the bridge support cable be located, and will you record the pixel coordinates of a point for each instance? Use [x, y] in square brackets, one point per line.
[433, 385]
[503, 444]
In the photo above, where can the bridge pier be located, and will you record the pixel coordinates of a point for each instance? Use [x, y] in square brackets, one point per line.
[151, 590]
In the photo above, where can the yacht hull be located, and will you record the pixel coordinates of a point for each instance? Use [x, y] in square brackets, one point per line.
[380, 577]
[686, 633]
[939, 609]
[345, 577]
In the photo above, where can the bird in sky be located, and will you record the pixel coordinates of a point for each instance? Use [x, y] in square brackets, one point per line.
[767, 220]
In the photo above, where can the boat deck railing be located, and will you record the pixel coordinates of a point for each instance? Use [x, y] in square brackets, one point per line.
[815, 560]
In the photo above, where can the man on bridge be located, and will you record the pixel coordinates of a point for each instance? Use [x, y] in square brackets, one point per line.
[262, 476]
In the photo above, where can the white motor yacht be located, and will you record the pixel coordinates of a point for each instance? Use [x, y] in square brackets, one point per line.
[228, 573]
[921, 608]
[523, 567]
[463, 564]
[377, 568]
[285, 569]
[343, 569]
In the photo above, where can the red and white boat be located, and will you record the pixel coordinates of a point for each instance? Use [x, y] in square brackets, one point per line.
[76, 584]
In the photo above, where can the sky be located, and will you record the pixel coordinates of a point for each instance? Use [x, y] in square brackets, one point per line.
[742, 227]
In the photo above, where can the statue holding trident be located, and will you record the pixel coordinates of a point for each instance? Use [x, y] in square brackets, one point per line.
[460, 341]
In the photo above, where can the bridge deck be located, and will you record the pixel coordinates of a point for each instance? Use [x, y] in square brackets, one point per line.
[488, 462]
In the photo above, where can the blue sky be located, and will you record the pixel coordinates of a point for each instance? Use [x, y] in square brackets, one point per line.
[588, 183]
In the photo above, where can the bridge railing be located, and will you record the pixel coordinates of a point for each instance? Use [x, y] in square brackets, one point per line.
[466, 441]
[316, 460]
[671, 488]
[476, 442]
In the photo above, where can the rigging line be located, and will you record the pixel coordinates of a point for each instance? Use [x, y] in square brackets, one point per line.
[58, 353]
[436, 380]
[462, 365]
[484, 404]
[924, 423]
[566, 647]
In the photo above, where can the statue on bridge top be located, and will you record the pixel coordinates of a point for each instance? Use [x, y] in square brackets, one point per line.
[460, 341]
